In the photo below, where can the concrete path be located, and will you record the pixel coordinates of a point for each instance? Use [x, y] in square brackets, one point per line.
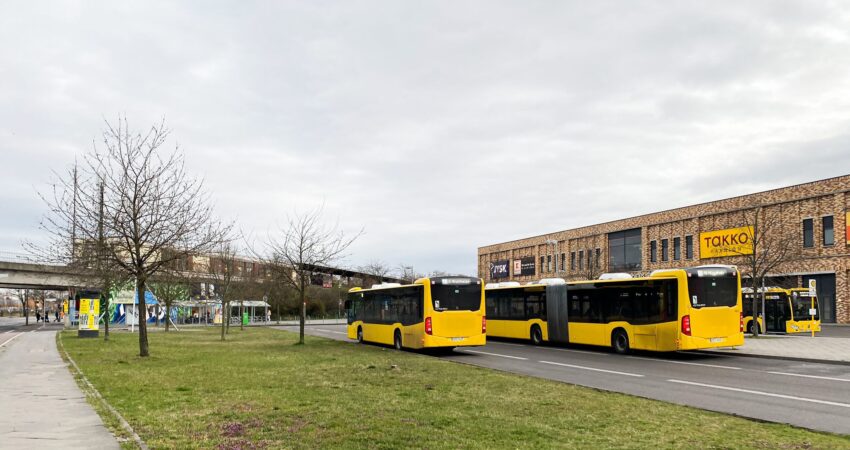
[41, 406]
[803, 347]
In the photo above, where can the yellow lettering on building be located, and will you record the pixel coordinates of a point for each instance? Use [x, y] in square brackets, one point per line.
[728, 242]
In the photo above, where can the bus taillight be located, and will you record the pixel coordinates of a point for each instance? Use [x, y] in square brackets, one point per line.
[483, 324]
[742, 322]
[686, 325]
[428, 329]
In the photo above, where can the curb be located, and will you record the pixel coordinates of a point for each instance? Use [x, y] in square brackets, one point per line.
[786, 358]
[124, 424]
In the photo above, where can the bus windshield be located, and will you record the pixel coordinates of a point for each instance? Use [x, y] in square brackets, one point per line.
[456, 294]
[800, 307]
[712, 287]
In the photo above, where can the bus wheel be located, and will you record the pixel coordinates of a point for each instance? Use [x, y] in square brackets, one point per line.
[360, 334]
[620, 341]
[752, 326]
[397, 340]
[536, 335]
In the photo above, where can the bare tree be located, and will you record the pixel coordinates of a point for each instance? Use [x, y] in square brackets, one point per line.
[407, 274]
[772, 243]
[376, 270]
[302, 246]
[22, 296]
[591, 268]
[169, 286]
[152, 212]
[223, 271]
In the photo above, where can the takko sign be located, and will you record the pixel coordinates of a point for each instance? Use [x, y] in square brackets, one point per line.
[728, 242]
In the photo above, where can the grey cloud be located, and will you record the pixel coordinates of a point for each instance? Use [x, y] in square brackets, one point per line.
[438, 127]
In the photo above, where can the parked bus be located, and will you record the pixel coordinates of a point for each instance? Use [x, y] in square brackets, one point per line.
[431, 312]
[670, 310]
[785, 311]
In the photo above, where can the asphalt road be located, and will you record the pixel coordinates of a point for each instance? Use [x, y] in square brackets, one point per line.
[815, 396]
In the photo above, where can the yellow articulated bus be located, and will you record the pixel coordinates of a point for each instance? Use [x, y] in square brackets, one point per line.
[785, 311]
[432, 312]
[670, 310]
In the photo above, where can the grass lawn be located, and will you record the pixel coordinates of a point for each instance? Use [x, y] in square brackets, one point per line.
[259, 390]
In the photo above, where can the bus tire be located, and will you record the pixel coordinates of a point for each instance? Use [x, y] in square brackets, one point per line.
[397, 340]
[536, 335]
[620, 341]
[360, 334]
[753, 324]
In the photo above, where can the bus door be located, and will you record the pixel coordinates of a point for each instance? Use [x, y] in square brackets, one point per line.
[775, 312]
[556, 314]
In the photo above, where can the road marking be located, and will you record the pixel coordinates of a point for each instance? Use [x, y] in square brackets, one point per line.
[766, 394]
[586, 352]
[11, 339]
[329, 331]
[593, 369]
[509, 343]
[810, 376]
[686, 363]
[495, 354]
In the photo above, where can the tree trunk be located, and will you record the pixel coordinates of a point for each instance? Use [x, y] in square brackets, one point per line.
[227, 325]
[143, 318]
[303, 313]
[755, 322]
[223, 318]
[167, 315]
[106, 316]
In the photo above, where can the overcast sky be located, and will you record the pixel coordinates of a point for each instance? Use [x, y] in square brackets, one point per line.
[436, 126]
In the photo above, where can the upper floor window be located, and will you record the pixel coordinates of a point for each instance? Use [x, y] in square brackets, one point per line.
[677, 248]
[828, 231]
[665, 248]
[808, 233]
[580, 259]
[624, 250]
[689, 247]
[653, 251]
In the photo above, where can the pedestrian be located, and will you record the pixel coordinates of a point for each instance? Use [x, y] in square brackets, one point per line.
[37, 316]
[56, 313]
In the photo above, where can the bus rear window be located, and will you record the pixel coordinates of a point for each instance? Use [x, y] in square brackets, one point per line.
[709, 291]
[456, 297]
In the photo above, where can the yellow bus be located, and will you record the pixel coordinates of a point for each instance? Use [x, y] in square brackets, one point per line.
[785, 311]
[670, 310]
[432, 312]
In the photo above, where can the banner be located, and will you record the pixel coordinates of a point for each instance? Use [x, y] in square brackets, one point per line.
[499, 269]
[728, 242]
[89, 313]
[524, 266]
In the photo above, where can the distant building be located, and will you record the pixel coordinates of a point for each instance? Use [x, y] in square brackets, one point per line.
[683, 237]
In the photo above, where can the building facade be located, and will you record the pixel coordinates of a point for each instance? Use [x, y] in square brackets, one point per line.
[807, 222]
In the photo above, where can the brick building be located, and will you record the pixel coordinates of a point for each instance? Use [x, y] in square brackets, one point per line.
[811, 217]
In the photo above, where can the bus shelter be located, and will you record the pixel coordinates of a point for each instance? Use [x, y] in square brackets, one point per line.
[254, 311]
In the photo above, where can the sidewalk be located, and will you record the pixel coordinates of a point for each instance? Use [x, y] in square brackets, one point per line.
[40, 403]
[802, 347]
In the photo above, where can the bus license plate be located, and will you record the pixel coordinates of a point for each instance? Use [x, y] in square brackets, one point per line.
[457, 339]
[715, 340]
